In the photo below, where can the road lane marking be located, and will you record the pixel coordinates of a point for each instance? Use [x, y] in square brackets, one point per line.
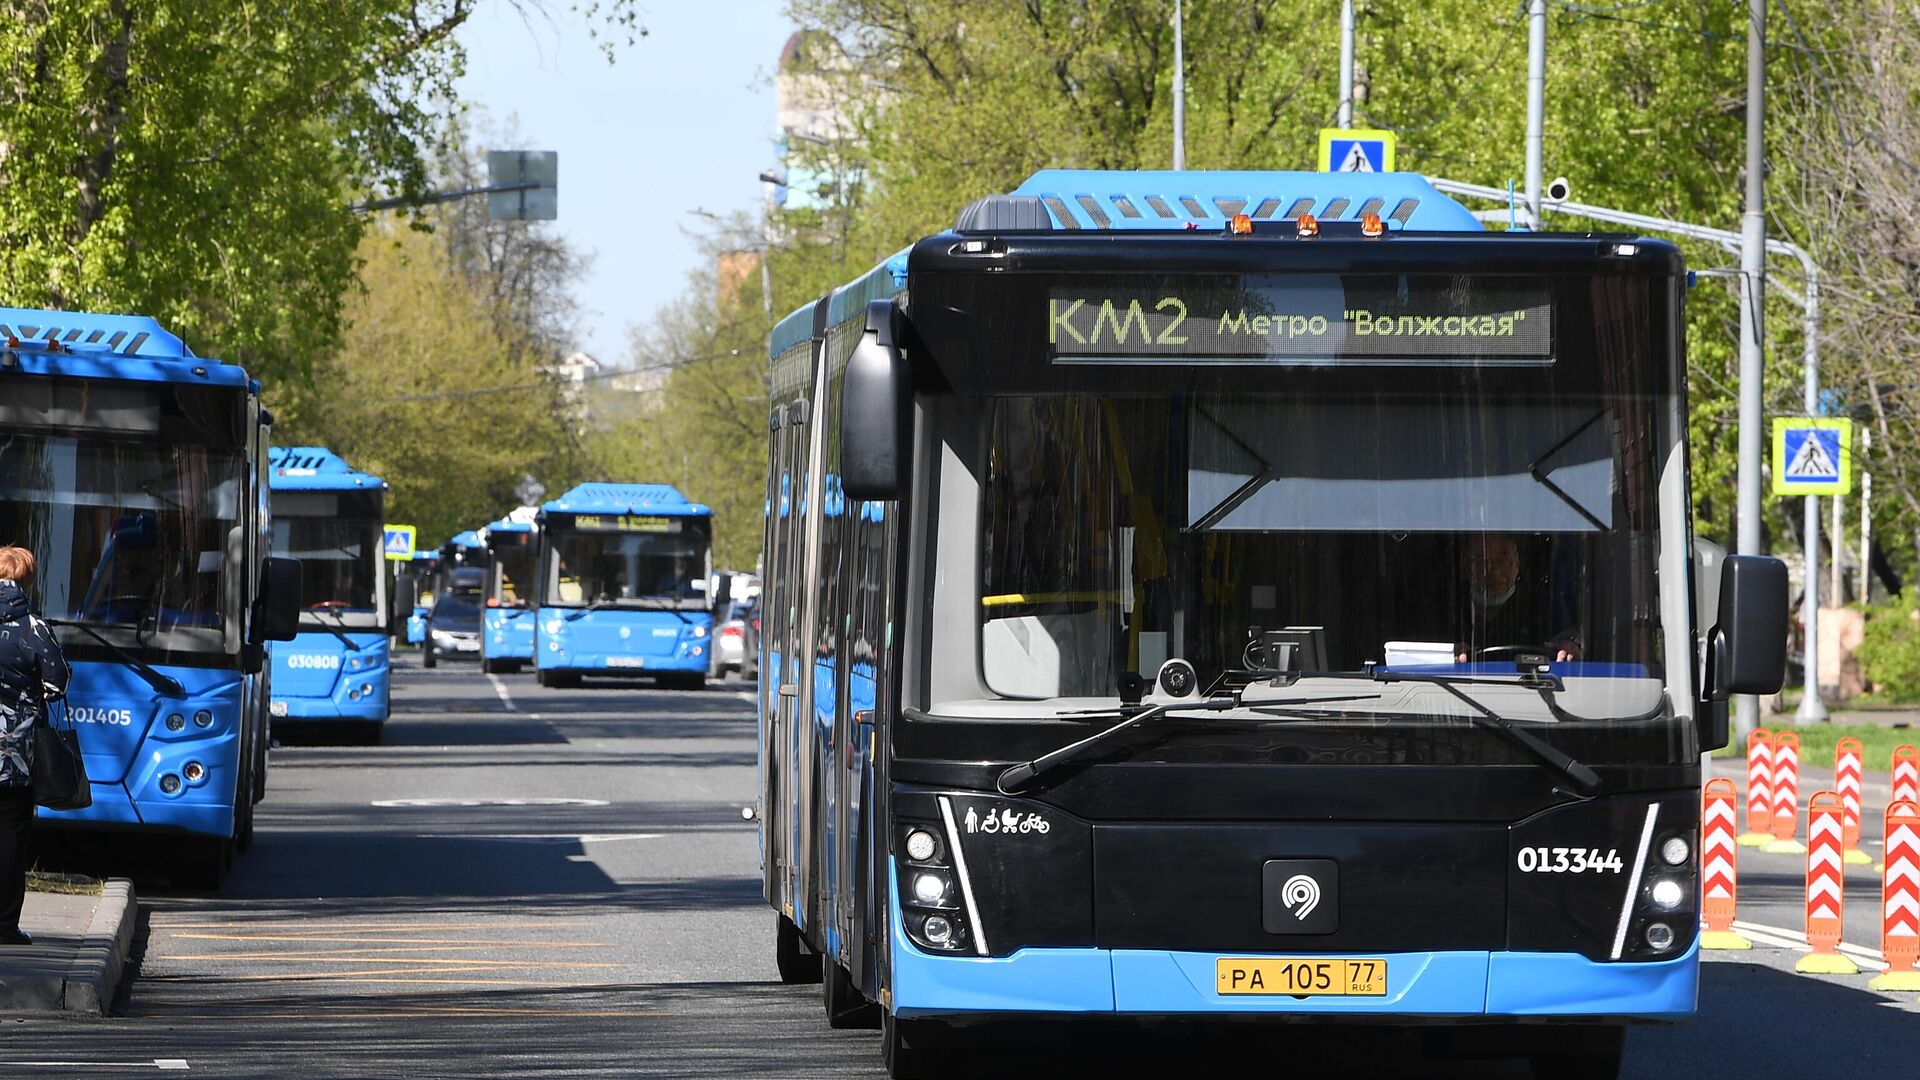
[474, 963]
[1786, 938]
[578, 838]
[500, 689]
[470, 802]
[335, 939]
[162, 1064]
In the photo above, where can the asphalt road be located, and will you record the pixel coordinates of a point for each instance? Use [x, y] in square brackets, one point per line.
[529, 882]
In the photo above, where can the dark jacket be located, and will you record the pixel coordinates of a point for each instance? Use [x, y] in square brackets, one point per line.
[32, 673]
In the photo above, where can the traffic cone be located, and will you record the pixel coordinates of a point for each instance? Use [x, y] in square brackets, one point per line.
[1759, 789]
[1900, 900]
[1846, 782]
[1826, 889]
[1719, 859]
[1786, 795]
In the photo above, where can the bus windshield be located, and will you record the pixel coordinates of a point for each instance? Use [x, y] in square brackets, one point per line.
[642, 569]
[141, 542]
[513, 575]
[336, 537]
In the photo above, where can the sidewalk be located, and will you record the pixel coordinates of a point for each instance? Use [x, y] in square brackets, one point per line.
[79, 950]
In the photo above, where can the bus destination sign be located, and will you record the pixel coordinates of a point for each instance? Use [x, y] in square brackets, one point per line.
[625, 523]
[1302, 319]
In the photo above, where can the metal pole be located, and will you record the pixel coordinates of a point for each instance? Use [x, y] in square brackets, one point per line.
[1179, 93]
[1753, 272]
[1866, 520]
[1346, 65]
[1837, 529]
[1536, 102]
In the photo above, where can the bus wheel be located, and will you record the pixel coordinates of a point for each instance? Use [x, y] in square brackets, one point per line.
[846, 1006]
[243, 826]
[205, 861]
[903, 1048]
[797, 963]
[1584, 1053]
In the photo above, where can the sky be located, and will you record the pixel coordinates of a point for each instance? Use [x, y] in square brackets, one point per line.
[682, 120]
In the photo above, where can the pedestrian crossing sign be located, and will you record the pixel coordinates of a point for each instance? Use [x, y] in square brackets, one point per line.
[397, 541]
[1812, 456]
[1356, 150]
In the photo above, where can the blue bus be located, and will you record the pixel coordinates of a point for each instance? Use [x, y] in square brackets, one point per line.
[1244, 595]
[623, 571]
[506, 625]
[135, 472]
[330, 516]
[414, 580]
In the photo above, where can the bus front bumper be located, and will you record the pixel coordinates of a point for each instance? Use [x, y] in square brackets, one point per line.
[1459, 986]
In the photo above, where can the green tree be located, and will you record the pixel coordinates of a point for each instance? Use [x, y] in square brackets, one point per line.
[428, 392]
[194, 159]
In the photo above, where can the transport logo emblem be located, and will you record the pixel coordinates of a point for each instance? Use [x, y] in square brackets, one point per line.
[1301, 894]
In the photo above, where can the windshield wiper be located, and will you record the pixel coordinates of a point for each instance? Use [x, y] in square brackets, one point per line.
[336, 632]
[1019, 775]
[165, 684]
[1543, 751]
[595, 606]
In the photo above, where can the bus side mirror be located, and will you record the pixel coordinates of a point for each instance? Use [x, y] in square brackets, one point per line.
[875, 412]
[722, 594]
[277, 615]
[405, 591]
[1747, 647]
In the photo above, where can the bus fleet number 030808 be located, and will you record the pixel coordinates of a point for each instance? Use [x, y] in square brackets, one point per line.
[1568, 860]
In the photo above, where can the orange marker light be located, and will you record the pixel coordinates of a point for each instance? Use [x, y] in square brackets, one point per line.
[1307, 226]
[1240, 225]
[1371, 225]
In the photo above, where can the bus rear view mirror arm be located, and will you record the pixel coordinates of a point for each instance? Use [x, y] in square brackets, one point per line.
[875, 407]
[1747, 647]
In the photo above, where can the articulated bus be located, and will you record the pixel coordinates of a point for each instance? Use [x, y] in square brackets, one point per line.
[330, 516]
[1263, 596]
[623, 571]
[134, 471]
[506, 627]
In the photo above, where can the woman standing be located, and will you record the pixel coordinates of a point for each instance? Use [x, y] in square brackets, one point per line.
[32, 673]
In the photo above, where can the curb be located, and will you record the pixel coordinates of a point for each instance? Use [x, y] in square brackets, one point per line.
[93, 976]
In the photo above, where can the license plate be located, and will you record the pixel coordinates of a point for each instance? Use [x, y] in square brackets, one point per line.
[1304, 976]
[626, 661]
[276, 708]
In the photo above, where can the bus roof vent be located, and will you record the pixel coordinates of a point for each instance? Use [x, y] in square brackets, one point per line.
[1005, 213]
[661, 499]
[120, 335]
[1174, 200]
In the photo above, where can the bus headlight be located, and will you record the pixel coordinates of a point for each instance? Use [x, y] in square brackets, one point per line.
[937, 929]
[170, 784]
[203, 718]
[1659, 936]
[699, 631]
[176, 722]
[929, 888]
[920, 845]
[1667, 894]
[194, 772]
[354, 663]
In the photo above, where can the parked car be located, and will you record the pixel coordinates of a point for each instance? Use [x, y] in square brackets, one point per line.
[736, 646]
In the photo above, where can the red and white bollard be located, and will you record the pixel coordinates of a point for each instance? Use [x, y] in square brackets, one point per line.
[1846, 783]
[1906, 785]
[1826, 889]
[1900, 900]
[1906, 774]
[1786, 794]
[1759, 789]
[1719, 859]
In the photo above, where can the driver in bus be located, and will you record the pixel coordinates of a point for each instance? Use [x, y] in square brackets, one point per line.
[1495, 615]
